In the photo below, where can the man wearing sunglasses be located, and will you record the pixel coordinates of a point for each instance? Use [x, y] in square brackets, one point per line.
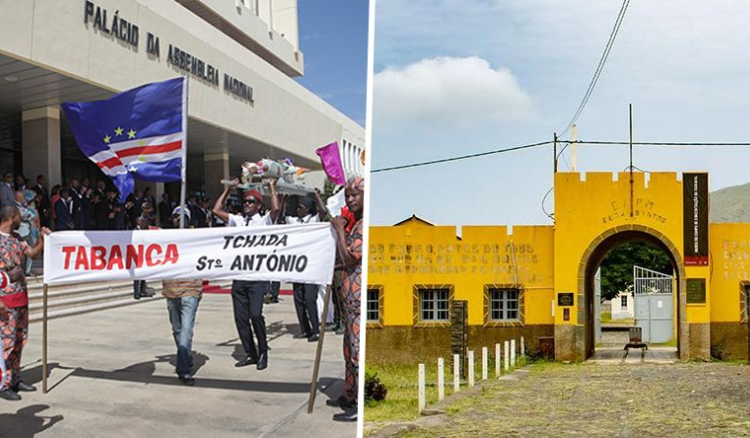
[248, 296]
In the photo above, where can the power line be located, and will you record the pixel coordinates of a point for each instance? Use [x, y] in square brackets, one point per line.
[599, 67]
[663, 143]
[463, 157]
[580, 142]
[544, 199]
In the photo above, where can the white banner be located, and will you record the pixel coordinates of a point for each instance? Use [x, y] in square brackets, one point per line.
[292, 253]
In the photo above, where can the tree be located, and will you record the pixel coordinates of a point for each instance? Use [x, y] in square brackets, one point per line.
[617, 266]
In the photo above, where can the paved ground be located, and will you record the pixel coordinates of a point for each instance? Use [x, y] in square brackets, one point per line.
[687, 399]
[612, 351]
[111, 376]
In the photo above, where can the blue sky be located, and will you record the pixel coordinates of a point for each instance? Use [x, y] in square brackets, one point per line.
[455, 77]
[333, 38]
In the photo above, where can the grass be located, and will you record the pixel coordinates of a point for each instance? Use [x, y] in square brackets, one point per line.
[401, 380]
[670, 343]
[607, 319]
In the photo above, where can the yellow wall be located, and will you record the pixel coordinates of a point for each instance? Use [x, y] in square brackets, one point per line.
[412, 253]
[587, 209]
[547, 259]
[730, 260]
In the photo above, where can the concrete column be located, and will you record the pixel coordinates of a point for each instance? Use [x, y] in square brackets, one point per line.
[215, 168]
[40, 132]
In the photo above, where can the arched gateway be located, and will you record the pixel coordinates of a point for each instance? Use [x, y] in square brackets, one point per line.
[588, 267]
[537, 281]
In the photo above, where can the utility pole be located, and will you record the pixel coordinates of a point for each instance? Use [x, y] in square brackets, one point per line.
[554, 153]
[630, 114]
[574, 148]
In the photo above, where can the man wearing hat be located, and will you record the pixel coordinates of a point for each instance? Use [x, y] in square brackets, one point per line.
[248, 296]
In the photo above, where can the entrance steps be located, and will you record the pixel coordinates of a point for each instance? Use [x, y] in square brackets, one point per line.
[76, 299]
[617, 355]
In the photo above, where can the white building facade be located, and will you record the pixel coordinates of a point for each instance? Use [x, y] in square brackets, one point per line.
[241, 58]
[622, 306]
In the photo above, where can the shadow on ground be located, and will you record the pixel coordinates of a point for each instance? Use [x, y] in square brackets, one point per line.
[25, 423]
[331, 387]
[274, 331]
[143, 372]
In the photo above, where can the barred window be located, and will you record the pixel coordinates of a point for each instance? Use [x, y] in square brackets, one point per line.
[504, 304]
[433, 304]
[373, 305]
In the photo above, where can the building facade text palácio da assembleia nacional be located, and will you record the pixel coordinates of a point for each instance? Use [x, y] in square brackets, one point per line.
[241, 58]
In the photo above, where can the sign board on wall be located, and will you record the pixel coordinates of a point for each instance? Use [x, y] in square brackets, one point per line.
[696, 290]
[695, 218]
[565, 299]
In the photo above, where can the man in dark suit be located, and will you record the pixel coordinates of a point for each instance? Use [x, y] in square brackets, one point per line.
[64, 212]
[84, 212]
[44, 204]
[101, 206]
[7, 194]
[76, 200]
[194, 211]
[165, 211]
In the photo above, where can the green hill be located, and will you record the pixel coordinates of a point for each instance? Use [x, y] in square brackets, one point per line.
[731, 204]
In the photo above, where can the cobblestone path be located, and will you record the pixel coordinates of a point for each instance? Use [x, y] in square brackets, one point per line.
[686, 399]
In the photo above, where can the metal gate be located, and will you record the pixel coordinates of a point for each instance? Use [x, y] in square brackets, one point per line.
[654, 309]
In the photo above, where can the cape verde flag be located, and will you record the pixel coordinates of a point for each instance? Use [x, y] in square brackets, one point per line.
[138, 133]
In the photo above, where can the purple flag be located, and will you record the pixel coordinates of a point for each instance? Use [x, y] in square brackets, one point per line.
[331, 161]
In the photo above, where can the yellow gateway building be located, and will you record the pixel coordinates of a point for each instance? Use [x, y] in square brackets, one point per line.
[430, 290]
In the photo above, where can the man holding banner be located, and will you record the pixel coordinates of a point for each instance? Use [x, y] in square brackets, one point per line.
[14, 301]
[305, 295]
[248, 296]
[12, 276]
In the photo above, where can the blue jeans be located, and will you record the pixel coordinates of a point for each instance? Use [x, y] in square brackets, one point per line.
[182, 316]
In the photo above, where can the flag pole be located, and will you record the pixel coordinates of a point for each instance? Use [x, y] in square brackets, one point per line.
[318, 353]
[183, 182]
[44, 341]
[45, 328]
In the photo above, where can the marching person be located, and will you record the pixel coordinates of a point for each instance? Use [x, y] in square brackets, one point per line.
[183, 297]
[306, 295]
[350, 252]
[248, 296]
[14, 300]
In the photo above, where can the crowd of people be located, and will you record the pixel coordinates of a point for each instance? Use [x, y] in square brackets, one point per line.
[76, 205]
[28, 211]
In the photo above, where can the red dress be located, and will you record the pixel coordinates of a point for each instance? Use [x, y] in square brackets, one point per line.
[351, 293]
[13, 330]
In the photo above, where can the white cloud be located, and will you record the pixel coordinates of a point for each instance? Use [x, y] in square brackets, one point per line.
[448, 92]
